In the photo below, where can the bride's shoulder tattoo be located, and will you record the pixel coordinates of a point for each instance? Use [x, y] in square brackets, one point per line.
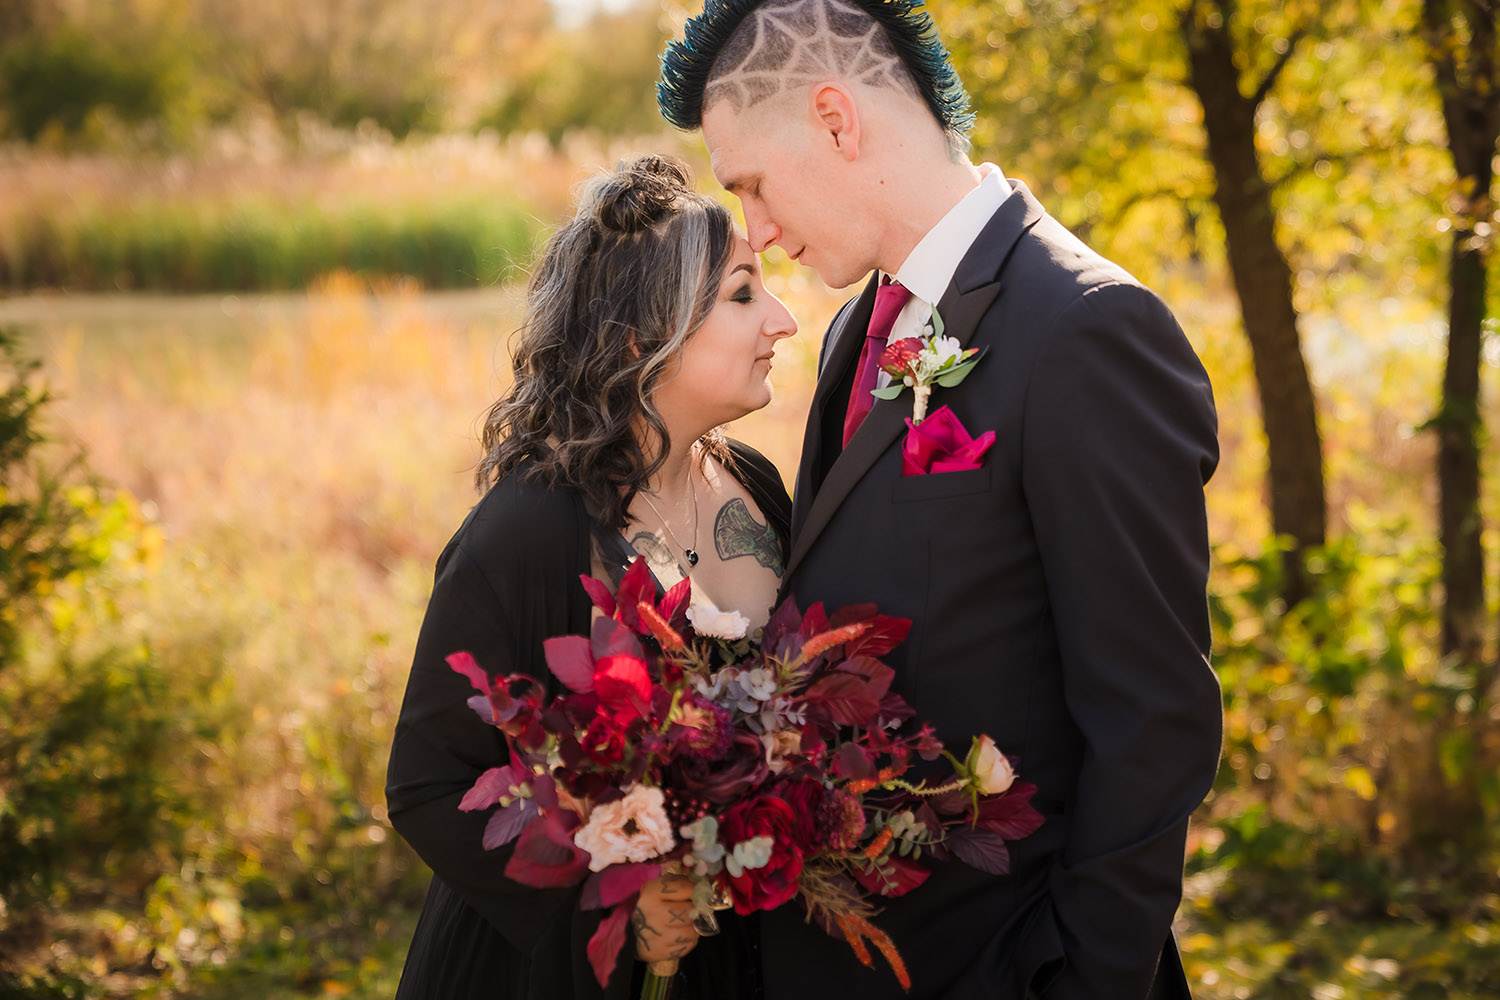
[738, 533]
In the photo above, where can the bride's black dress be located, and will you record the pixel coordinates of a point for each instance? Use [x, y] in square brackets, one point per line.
[506, 581]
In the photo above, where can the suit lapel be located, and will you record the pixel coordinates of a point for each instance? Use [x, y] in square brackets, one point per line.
[969, 296]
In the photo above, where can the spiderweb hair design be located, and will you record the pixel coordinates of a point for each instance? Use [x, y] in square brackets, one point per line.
[746, 51]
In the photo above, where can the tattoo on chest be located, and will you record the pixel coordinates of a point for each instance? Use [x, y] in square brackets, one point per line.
[738, 533]
[658, 556]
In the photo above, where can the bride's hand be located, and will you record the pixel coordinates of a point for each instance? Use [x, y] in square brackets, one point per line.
[663, 919]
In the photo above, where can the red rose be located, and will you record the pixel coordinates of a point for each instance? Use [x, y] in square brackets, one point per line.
[806, 800]
[604, 742]
[775, 882]
[740, 769]
[898, 358]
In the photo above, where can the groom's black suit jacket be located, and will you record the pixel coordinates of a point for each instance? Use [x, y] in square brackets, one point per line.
[1058, 601]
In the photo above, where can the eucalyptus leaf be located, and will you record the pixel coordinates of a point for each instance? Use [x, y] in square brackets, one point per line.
[889, 392]
[953, 376]
[937, 323]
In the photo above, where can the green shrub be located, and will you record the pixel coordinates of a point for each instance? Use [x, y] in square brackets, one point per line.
[58, 79]
[1358, 770]
[262, 245]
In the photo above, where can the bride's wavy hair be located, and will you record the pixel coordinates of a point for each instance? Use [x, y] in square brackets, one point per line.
[616, 294]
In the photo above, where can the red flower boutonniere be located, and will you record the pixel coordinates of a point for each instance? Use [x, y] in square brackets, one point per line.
[922, 362]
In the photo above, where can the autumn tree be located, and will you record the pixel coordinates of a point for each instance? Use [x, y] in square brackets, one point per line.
[1461, 44]
[1154, 110]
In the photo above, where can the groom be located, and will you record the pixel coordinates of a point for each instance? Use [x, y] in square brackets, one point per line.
[1058, 586]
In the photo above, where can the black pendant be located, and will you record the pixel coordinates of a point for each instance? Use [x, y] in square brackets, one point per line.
[692, 557]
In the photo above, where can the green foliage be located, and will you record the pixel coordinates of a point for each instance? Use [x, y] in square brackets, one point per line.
[56, 81]
[599, 76]
[92, 797]
[1333, 792]
[260, 245]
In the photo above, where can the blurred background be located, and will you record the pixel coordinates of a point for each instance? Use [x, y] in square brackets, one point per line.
[259, 268]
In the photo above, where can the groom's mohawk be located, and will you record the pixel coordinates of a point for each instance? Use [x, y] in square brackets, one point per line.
[749, 50]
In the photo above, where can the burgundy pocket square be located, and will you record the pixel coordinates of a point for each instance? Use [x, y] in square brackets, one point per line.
[941, 444]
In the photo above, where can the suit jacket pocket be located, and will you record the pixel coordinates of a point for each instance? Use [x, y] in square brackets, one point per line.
[941, 485]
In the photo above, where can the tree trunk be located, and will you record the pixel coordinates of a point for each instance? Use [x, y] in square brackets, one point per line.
[1263, 282]
[1467, 80]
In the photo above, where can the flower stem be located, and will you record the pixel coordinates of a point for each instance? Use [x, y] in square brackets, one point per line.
[659, 975]
[920, 395]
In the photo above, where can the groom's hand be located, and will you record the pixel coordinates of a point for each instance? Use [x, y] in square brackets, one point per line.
[663, 919]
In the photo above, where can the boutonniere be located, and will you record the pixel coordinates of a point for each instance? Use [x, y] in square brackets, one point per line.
[923, 362]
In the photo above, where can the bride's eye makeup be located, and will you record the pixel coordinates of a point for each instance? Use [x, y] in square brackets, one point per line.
[742, 295]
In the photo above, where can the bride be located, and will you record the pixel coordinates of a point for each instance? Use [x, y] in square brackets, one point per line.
[647, 328]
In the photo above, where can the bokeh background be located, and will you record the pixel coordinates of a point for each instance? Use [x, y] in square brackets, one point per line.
[259, 268]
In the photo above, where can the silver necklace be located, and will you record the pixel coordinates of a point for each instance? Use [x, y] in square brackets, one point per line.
[691, 553]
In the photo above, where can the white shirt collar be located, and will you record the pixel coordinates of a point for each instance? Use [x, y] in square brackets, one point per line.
[930, 266]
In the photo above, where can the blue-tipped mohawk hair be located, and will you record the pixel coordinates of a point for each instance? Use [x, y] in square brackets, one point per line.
[687, 67]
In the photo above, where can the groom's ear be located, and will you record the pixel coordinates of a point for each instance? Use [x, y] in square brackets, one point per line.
[836, 117]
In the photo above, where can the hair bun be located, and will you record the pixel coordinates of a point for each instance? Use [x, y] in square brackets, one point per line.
[639, 192]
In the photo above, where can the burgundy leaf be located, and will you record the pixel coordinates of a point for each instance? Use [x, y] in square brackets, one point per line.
[614, 884]
[545, 855]
[853, 761]
[612, 638]
[491, 785]
[506, 823]
[784, 621]
[893, 708]
[465, 664]
[848, 698]
[544, 791]
[599, 593]
[952, 803]
[635, 586]
[604, 947]
[674, 604]
[851, 613]
[872, 670]
[981, 849]
[896, 876]
[1010, 814]
[814, 620]
[885, 634]
[484, 708]
[570, 659]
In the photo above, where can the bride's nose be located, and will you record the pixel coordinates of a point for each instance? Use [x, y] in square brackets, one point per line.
[782, 323]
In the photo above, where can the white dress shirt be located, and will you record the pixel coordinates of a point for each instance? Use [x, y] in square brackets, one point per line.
[930, 266]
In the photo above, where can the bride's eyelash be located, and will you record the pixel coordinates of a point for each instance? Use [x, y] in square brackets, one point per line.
[742, 295]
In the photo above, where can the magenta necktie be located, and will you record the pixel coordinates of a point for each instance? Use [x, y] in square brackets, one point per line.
[889, 298]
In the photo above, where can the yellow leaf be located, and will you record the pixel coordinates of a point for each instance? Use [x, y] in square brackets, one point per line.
[1358, 780]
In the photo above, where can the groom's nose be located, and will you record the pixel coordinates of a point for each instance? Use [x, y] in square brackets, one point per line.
[760, 231]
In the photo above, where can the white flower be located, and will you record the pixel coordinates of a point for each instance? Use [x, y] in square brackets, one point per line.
[634, 828]
[991, 770]
[944, 349]
[760, 683]
[710, 621]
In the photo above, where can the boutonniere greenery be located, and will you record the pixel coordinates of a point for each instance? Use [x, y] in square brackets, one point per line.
[923, 362]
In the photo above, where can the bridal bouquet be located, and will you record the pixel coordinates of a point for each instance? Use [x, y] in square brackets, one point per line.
[765, 770]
